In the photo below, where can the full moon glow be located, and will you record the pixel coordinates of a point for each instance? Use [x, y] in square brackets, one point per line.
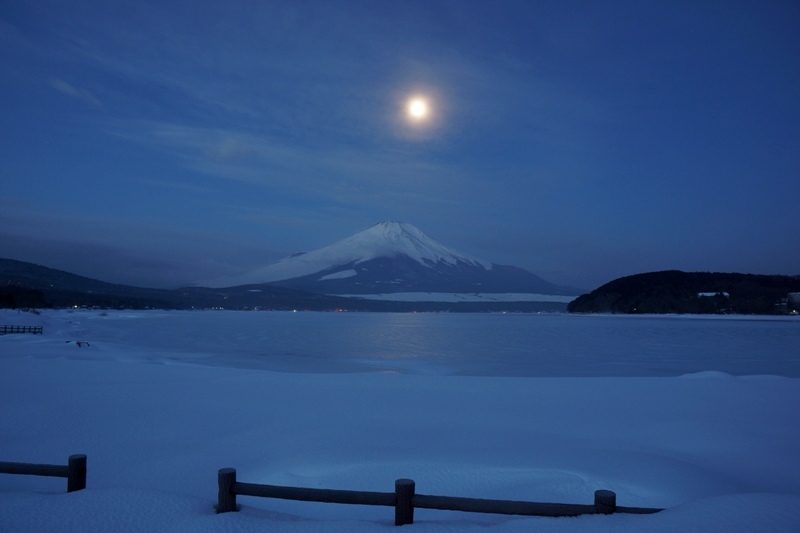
[417, 108]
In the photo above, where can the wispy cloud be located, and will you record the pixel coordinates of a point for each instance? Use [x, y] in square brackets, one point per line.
[269, 161]
[75, 92]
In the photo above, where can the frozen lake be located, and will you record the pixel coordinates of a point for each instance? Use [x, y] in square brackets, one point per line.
[521, 345]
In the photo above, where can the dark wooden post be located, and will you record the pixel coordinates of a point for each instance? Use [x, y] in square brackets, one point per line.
[403, 510]
[227, 498]
[76, 473]
[605, 501]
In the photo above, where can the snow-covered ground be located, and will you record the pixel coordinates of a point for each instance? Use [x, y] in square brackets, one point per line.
[160, 401]
[462, 297]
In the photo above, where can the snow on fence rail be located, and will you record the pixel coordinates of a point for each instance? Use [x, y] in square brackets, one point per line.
[404, 500]
[6, 330]
[74, 471]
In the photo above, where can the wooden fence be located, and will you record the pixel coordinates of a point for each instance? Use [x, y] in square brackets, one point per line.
[6, 330]
[75, 471]
[404, 500]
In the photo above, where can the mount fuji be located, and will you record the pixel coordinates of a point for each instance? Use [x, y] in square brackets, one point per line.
[393, 259]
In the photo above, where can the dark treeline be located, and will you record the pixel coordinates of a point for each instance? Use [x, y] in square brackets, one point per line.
[22, 298]
[674, 291]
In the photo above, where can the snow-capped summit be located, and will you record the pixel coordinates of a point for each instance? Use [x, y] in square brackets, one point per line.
[391, 257]
[392, 239]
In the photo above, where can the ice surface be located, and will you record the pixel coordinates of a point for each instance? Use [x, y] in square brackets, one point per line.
[547, 345]
[160, 401]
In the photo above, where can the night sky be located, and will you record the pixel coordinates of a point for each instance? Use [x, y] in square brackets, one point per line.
[162, 143]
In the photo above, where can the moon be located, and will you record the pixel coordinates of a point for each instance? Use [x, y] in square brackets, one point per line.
[418, 108]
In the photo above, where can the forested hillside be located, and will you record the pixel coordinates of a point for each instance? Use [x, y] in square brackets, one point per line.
[674, 291]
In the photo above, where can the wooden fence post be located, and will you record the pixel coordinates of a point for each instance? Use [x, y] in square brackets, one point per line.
[227, 498]
[403, 510]
[76, 472]
[605, 501]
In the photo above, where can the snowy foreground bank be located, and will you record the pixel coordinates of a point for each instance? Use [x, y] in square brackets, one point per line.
[719, 452]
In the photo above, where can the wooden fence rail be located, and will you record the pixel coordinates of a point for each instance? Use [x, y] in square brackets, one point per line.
[74, 471]
[404, 499]
[6, 330]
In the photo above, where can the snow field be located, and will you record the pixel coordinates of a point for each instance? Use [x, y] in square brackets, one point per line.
[720, 452]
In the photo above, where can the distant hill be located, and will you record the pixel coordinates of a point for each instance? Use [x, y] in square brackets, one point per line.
[24, 285]
[673, 291]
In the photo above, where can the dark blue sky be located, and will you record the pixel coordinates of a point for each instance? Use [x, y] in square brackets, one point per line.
[160, 143]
